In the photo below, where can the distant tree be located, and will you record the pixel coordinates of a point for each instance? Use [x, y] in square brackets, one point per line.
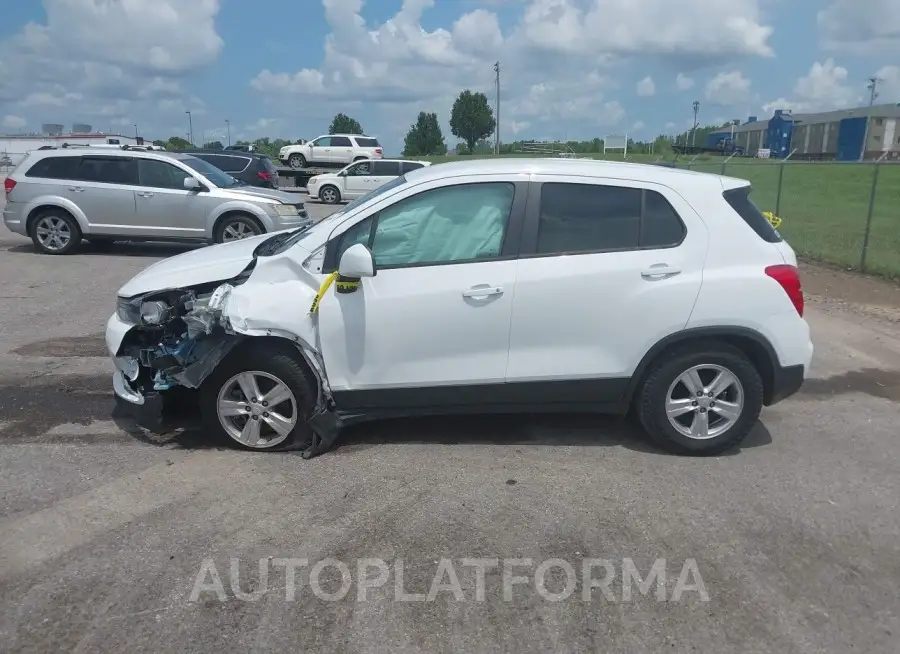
[424, 137]
[344, 124]
[159, 142]
[177, 143]
[472, 118]
[213, 145]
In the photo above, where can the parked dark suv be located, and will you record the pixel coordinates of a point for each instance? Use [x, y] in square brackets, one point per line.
[250, 167]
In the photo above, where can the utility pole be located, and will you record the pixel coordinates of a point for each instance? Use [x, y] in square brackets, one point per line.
[497, 124]
[228, 125]
[694, 129]
[191, 126]
[873, 93]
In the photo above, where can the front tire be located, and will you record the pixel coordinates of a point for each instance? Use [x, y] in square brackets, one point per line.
[55, 231]
[235, 228]
[259, 399]
[329, 195]
[700, 400]
[296, 161]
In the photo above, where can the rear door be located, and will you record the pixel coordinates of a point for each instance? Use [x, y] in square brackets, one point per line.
[103, 189]
[608, 268]
[384, 170]
[341, 149]
[164, 207]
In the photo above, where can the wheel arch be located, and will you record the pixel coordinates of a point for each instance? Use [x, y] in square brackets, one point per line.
[232, 212]
[42, 205]
[331, 185]
[751, 343]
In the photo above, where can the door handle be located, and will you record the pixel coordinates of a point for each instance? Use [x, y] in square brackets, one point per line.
[145, 194]
[77, 189]
[660, 271]
[482, 291]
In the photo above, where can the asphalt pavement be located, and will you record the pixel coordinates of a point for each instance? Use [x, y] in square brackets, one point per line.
[112, 542]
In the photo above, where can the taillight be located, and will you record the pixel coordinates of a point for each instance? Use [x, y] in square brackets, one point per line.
[265, 176]
[8, 185]
[789, 279]
[379, 151]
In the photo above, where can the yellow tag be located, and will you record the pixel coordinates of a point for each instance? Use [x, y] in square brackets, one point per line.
[322, 290]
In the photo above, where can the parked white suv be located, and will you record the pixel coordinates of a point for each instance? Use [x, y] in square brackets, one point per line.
[330, 150]
[358, 178]
[491, 286]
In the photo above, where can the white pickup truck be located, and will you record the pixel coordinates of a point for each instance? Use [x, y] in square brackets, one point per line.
[358, 178]
[330, 150]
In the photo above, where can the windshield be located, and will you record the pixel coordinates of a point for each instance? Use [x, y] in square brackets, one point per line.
[210, 172]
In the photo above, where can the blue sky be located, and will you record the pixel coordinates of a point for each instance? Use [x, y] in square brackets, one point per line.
[570, 68]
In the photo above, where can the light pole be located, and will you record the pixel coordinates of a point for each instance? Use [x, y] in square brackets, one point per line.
[873, 93]
[191, 127]
[228, 126]
[135, 132]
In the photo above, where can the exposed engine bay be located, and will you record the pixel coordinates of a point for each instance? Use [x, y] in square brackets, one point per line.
[180, 336]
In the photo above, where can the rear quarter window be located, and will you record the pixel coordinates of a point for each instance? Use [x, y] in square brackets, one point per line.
[54, 168]
[367, 142]
[739, 200]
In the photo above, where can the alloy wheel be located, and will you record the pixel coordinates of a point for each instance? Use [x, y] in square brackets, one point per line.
[257, 409]
[238, 230]
[53, 233]
[704, 402]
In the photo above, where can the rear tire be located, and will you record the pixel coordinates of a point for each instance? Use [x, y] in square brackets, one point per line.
[681, 384]
[282, 399]
[54, 231]
[296, 161]
[237, 227]
[329, 194]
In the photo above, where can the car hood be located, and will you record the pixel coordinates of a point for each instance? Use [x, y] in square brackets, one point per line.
[205, 264]
[270, 194]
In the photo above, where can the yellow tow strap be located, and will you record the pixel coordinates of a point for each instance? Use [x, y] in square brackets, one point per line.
[322, 290]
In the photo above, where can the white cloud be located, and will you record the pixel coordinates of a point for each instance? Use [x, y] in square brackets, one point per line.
[14, 122]
[861, 26]
[557, 59]
[646, 88]
[683, 82]
[98, 61]
[827, 86]
[728, 89]
[889, 84]
[638, 126]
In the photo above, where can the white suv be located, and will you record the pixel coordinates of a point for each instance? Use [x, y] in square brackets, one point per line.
[358, 178]
[492, 286]
[331, 149]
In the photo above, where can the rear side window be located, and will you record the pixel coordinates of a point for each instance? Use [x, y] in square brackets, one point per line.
[381, 168]
[54, 168]
[366, 142]
[109, 170]
[406, 166]
[340, 141]
[595, 218]
[740, 201]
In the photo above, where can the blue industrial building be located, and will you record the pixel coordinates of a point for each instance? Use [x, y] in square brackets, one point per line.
[836, 135]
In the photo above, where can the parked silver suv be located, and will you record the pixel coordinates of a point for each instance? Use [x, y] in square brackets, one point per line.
[58, 197]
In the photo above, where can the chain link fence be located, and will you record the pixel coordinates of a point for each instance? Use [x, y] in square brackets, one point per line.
[841, 213]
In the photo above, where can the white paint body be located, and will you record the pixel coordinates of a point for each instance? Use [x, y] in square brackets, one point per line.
[548, 318]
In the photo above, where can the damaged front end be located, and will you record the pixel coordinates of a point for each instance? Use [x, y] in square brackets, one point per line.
[174, 339]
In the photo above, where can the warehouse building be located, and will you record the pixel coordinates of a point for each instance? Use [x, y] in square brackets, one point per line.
[835, 135]
[14, 147]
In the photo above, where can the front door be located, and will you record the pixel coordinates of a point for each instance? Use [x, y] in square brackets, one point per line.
[432, 326]
[356, 180]
[608, 268]
[320, 150]
[164, 207]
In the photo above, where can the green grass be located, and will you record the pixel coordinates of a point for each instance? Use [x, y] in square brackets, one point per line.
[823, 205]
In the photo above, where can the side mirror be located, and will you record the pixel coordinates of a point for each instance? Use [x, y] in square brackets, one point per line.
[192, 184]
[356, 262]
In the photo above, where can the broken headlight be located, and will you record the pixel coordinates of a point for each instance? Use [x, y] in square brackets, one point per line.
[128, 311]
[154, 312]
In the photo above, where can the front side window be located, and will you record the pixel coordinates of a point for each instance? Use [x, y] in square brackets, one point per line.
[210, 172]
[595, 218]
[159, 174]
[323, 142]
[447, 225]
[359, 170]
